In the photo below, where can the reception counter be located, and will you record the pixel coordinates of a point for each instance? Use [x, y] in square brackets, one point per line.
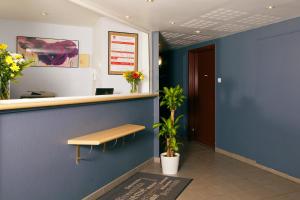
[36, 160]
[16, 104]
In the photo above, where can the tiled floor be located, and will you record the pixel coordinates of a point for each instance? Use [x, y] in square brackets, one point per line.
[217, 177]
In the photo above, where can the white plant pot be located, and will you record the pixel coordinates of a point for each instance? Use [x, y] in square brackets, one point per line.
[169, 164]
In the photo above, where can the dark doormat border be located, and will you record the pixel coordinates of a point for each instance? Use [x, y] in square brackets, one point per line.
[154, 183]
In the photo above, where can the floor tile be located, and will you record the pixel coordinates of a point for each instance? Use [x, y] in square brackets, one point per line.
[217, 177]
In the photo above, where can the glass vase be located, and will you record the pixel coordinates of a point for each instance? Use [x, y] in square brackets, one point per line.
[134, 88]
[4, 90]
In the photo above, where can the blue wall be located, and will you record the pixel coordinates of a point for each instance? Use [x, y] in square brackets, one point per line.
[36, 163]
[257, 104]
[155, 86]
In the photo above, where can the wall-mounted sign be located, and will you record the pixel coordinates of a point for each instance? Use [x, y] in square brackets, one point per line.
[122, 52]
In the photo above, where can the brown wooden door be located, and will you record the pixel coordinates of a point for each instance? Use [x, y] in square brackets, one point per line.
[202, 95]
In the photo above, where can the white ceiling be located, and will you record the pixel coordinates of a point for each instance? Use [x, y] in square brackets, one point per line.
[59, 12]
[213, 18]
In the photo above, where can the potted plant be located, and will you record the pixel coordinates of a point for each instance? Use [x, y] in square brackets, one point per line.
[11, 67]
[172, 98]
[134, 78]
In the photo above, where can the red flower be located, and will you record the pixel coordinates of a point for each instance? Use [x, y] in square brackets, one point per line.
[135, 75]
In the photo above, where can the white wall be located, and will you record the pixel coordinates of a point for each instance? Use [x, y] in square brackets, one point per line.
[10, 29]
[75, 81]
[64, 82]
[100, 59]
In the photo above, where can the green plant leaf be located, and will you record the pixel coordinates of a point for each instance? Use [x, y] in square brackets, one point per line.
[172, 98]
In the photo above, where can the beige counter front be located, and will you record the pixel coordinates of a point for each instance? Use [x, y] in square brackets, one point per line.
[62, 101]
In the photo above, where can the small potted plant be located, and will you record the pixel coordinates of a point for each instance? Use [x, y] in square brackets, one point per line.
[11, 67]
[134, 78]
[172, 98]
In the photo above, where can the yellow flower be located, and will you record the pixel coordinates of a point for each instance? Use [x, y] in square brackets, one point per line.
[3, 46]
[124, 75]
[14, 67]
[9, 60]
[142, 77]
[18, 56]
[12, 75]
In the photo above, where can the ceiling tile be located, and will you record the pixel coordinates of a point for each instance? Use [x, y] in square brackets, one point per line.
[231, 28]
[171, 35]
[181, 42]
[259, 19]
[197, 37]
[224, 14]
[198, 24]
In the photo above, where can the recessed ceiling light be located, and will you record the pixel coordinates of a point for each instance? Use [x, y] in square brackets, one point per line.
[127, 17]
[44, 13]
[150, 1]
[172, 22]
[270, 7]
[197, 31]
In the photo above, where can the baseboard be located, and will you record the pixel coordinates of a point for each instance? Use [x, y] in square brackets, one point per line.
[157, 159]
[255, 164]
[98, 193]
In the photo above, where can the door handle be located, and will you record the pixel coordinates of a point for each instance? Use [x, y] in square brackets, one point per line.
[205, 75]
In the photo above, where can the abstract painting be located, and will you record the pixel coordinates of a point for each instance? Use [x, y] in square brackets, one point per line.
[49, 52]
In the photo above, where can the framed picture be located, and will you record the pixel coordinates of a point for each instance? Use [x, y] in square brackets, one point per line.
[122, 52]
[84, 60]
[49, 52]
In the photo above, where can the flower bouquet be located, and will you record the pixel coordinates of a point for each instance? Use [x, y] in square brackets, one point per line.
[133, 77]
[11, 67]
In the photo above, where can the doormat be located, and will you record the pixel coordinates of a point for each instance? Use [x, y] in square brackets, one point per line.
[145, 186]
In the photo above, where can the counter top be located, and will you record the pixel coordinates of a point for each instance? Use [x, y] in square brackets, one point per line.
[16, 104]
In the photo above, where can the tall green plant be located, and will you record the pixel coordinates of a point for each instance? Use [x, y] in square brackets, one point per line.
[172, 98]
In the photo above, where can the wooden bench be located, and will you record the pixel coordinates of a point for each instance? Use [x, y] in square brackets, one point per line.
[102, 137]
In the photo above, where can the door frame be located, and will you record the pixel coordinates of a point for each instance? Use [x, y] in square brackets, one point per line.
[190, 137]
